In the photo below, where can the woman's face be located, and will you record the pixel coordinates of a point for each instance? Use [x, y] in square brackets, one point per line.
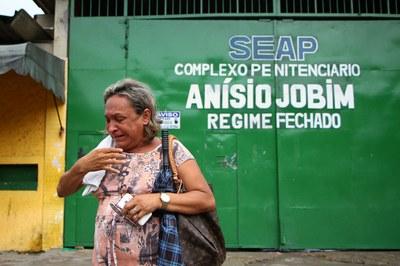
[124, 125]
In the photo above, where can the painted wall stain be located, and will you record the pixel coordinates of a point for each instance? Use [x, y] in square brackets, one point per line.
[230, 161]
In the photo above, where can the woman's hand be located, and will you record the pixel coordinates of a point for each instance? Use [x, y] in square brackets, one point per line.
[101, 159]
[141, 205]
[98, 159]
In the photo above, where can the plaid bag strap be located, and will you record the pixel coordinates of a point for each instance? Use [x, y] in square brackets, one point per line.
[172, 163]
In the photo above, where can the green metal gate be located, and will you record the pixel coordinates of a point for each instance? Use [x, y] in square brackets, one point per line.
[279, 182]
[338, 187]
[227, 158]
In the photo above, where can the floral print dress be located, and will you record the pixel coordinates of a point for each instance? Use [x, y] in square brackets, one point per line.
[116, 241]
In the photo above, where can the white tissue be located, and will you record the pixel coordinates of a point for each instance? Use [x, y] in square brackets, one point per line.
[93, 179]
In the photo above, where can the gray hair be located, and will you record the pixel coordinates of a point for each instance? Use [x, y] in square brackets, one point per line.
[140, 98]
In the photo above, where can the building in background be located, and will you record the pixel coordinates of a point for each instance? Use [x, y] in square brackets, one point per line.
[33, 81]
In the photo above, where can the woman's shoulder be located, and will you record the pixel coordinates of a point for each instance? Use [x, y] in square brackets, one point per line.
[181, 153]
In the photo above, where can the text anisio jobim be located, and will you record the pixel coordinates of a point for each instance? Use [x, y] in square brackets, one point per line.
[241, 100]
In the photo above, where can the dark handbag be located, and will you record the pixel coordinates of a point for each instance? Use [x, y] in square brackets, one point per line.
[200, 235]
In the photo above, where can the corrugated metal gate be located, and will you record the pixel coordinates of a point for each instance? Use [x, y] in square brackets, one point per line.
[278, 184]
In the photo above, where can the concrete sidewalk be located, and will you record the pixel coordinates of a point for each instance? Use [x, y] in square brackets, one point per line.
[82, 257]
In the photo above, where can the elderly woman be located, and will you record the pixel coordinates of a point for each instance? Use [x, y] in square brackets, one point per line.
[132, 165]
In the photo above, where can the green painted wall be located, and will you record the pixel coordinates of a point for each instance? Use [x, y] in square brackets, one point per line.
[277, 185]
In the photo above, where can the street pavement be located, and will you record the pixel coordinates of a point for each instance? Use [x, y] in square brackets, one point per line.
[82, 257]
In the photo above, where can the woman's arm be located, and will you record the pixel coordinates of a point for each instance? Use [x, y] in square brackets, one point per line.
[198, 197]
[99, 159]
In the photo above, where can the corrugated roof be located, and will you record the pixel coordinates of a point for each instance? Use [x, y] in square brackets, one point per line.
[23, 28]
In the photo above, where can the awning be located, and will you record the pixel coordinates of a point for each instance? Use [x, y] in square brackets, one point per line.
[28, 59]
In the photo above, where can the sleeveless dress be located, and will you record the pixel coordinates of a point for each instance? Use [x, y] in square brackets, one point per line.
[116, 241]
